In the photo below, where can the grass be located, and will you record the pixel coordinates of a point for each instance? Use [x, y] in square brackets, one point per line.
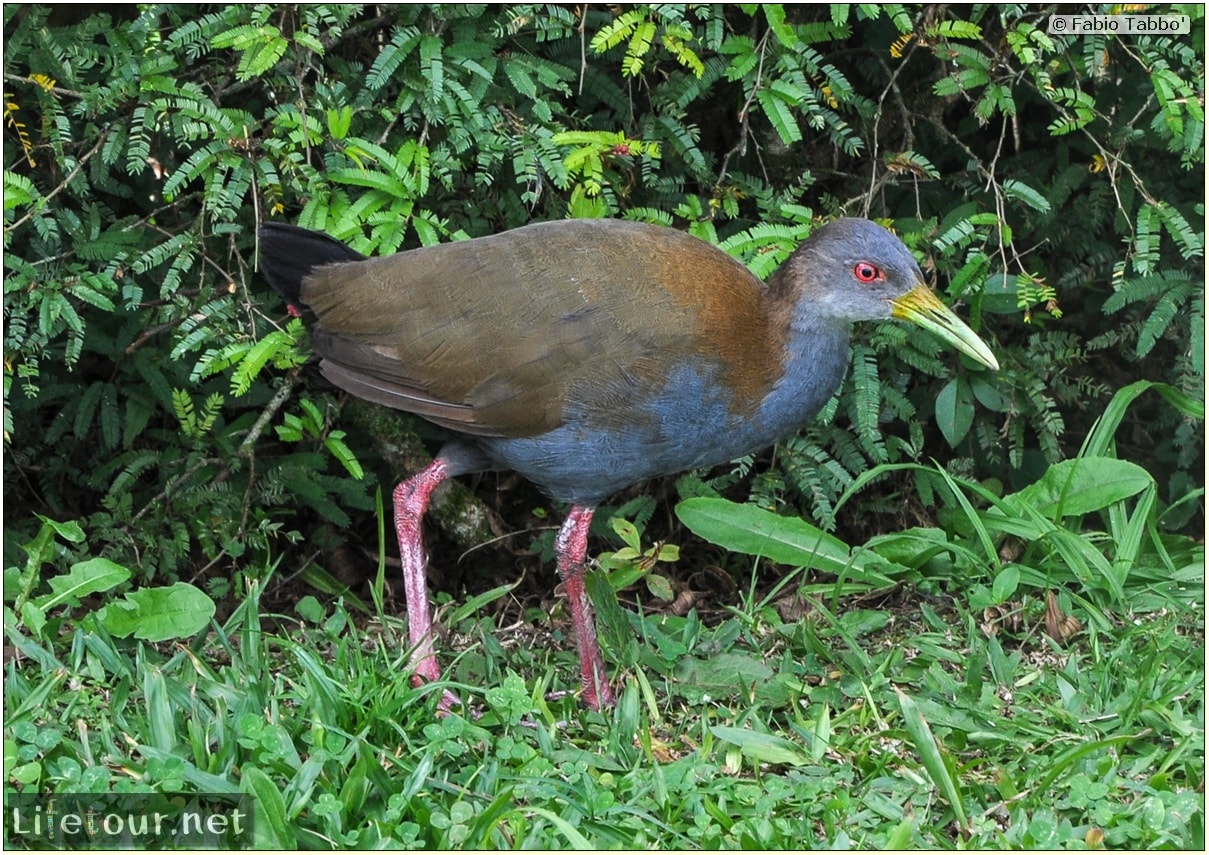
[833, 731]
[1030, 674]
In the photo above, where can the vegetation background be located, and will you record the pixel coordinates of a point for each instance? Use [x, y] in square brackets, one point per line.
[1005, 648]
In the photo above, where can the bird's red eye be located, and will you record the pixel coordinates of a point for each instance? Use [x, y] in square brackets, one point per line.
[866, 272]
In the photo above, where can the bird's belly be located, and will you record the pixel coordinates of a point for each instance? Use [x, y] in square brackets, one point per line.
[689, 424]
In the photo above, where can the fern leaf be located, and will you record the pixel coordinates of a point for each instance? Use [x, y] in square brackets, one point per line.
[86, 409]
[432, 66]
[402, 42]
[1190, 242]
[1014, 189]
[255, 359]
[780, 115]
[866, 404]
[616, 31]
[1160, 318]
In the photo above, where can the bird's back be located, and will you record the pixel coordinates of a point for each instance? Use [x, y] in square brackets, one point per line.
[504, 335]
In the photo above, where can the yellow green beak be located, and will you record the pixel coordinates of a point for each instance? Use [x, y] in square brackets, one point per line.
[923, 308]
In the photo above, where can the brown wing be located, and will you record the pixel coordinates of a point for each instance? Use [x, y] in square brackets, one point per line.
[495, 336]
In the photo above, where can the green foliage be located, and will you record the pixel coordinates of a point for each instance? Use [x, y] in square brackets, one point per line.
[312, 425]
[786, 540]
[631, 563]
[195, 426]
[156, 614]
[1125, 561]
[836, 729]
[1050, 184]
[635, 28]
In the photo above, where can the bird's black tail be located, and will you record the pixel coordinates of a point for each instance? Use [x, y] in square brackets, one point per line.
[288, 253]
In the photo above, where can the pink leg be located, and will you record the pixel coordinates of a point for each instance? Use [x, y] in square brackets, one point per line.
[571, 546]
[411, 501]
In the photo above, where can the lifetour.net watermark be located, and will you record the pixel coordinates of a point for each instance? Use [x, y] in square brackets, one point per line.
[127, 821]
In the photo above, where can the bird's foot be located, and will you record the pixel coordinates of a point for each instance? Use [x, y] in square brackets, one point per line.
[426, 670]
[448, 702]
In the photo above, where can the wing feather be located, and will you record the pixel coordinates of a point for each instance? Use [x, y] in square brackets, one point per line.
[499, 336]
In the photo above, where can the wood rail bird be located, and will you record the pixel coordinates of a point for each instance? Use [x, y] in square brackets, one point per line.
[591, 355]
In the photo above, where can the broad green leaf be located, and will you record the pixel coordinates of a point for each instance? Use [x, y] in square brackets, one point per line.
[912, 547]
[34, 618]
[42, 548]
[955, 410]
[660, 587]
[763, 747]
[785, 540]
[1080, 486]
[730, 675]
[84, 578]
[310, 609]
[69, 531]
[274, 830]
[158, 614]
[988, 394]
[1006, 583]
[627, 531]
[723, 674]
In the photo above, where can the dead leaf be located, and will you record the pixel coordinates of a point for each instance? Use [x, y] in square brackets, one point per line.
[1059, 626]
[1006, 615]
[683, 603]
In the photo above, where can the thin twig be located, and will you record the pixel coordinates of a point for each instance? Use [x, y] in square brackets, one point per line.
[744, 127]
[583, 49]
[266, 415]
[66, 181]
[151, 332]
[227, 277]
[185, 476]
[876, 182]
[1000, 203]
[306, 131]
[57, 90]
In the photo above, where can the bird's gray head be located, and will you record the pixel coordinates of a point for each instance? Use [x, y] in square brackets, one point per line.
[855, 270]
[852, 270]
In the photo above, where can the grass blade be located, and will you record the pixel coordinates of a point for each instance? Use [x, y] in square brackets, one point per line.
[273, 829]
[930, 753]
[161, 725]
[577, 840]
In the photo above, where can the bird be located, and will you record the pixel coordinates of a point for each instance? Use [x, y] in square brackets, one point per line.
[590, 355]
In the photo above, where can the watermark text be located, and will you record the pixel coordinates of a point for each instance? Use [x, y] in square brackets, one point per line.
[1119, 25]
[127, 820]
